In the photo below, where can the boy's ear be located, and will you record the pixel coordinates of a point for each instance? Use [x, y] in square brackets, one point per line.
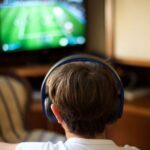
[56, 113]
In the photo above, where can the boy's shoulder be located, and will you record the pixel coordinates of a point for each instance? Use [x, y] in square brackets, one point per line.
[40, 146]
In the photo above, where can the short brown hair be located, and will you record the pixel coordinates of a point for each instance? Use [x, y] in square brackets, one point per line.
[84, 93]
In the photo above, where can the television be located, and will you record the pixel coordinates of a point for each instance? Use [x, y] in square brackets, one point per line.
[30, 27]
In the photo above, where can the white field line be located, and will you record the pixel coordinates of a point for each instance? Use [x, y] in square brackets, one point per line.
[23, 23]
[40, 34]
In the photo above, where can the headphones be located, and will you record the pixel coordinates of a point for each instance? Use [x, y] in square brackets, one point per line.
[119, 102]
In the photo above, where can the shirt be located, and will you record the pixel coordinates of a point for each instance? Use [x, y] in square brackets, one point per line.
[74, 144]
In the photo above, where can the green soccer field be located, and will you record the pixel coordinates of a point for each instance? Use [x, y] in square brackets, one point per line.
[38, 26]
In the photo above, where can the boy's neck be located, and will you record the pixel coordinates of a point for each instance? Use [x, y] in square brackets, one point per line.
[72, 135]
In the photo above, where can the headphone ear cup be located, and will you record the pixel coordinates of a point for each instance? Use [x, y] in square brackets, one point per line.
[48, 111]
[116, 111]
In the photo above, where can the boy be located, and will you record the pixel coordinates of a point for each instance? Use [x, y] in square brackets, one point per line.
[83, 96]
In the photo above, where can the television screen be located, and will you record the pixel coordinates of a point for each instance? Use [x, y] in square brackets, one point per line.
[29, 25]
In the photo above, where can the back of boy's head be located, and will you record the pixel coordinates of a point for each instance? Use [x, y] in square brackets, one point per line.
[85, 95]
